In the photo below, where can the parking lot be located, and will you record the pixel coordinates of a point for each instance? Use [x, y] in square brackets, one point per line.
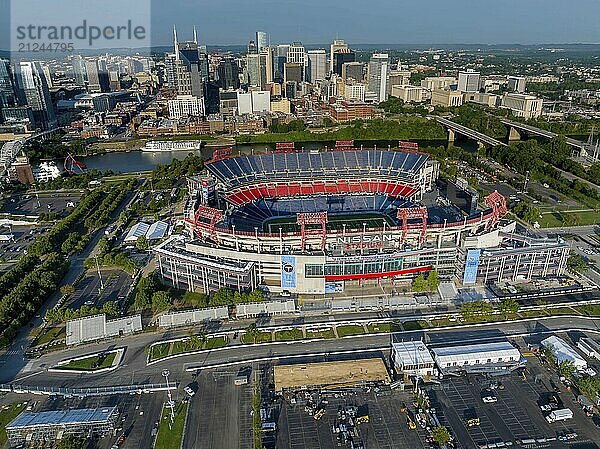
[387, 426]
[23, 236]
[515, 417]
[138, 415]
[219, 415]
[32, 204]
[89, 290]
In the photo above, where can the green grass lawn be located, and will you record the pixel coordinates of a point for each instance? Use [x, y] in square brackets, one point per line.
[320, 333]
[532, 313]
[215, 342]
[383, 328]
[289, 335]
[562, 311]
[335, 222]
[87, 364]
[561, 218]
[171, 438]
[414, 325]
[181, 346]
[589, 310]
[262, 337]
[159, 351]
[350, 329]
[50, 334]
[7, 414]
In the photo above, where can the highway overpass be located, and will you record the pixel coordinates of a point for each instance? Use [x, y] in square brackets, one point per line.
[515, 129]
[455, 128]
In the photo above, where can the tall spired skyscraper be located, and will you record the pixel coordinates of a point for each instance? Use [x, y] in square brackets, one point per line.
[187, 67]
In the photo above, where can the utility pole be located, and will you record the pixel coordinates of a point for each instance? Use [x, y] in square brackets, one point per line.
[526, 181]
[99, 273]
[170, 403]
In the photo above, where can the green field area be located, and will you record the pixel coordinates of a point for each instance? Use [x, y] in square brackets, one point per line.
[566, 218]
[320, 333]
[383, 328]
[261, 337]
[7, 414]
[93, 363]
[159, 351]
[335, 222]
[49, 334]
[289, 335]
[171, 438]
[350, 329]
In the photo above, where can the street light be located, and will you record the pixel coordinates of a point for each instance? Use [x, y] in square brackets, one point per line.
[170, 403]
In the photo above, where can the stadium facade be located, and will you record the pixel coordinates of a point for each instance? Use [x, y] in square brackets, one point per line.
[313, 221]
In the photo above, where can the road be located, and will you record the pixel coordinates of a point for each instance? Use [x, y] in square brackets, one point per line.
[135, 370]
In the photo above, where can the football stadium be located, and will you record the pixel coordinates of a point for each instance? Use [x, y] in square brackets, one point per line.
[317, 222]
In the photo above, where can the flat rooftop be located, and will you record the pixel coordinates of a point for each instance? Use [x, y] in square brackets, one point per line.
[330, 374]
[62, 417]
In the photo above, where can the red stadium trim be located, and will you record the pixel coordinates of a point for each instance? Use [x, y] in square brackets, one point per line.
[354, 277]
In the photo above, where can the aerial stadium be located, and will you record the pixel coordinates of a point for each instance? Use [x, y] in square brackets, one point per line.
[317, 222]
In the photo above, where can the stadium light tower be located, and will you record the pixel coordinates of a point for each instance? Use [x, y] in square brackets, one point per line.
[170, 403]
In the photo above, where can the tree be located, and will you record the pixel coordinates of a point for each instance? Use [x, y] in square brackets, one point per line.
[256, 296]
[67, 290]
[508, 306]
[103, 246]
[433, 281]
[161, 301]
[419, 284]
[577, 264]
[252, 332]
[222, 297]
[110, 308]
[566, 368]
[142, 243]
[527, 212]
[441, 435]
[71, 442]
[476, 309]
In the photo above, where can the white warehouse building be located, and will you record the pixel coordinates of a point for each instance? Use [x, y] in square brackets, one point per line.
[412, 358]
[563, 352]
[492, 358]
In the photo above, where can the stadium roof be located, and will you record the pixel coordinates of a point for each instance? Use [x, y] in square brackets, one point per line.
[62, 417]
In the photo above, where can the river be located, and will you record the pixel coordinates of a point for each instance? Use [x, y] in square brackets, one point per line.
[136, 161]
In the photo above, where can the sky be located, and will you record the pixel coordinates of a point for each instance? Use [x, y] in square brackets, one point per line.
[233, 22]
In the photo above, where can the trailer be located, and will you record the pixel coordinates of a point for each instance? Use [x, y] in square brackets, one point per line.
[559, 415]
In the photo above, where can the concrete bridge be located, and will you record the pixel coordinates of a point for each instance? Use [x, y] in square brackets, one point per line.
[454, 129]
[516, 129]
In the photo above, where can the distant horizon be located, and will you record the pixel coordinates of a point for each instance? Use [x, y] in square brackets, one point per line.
[407, 46]
[377, 23]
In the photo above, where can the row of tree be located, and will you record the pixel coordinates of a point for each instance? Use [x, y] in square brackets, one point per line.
[20, 304]
[406, 127]
[483, 310]
[150, 294]
[64, 314]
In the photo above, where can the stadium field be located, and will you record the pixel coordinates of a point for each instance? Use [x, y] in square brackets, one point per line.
[335, 222]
